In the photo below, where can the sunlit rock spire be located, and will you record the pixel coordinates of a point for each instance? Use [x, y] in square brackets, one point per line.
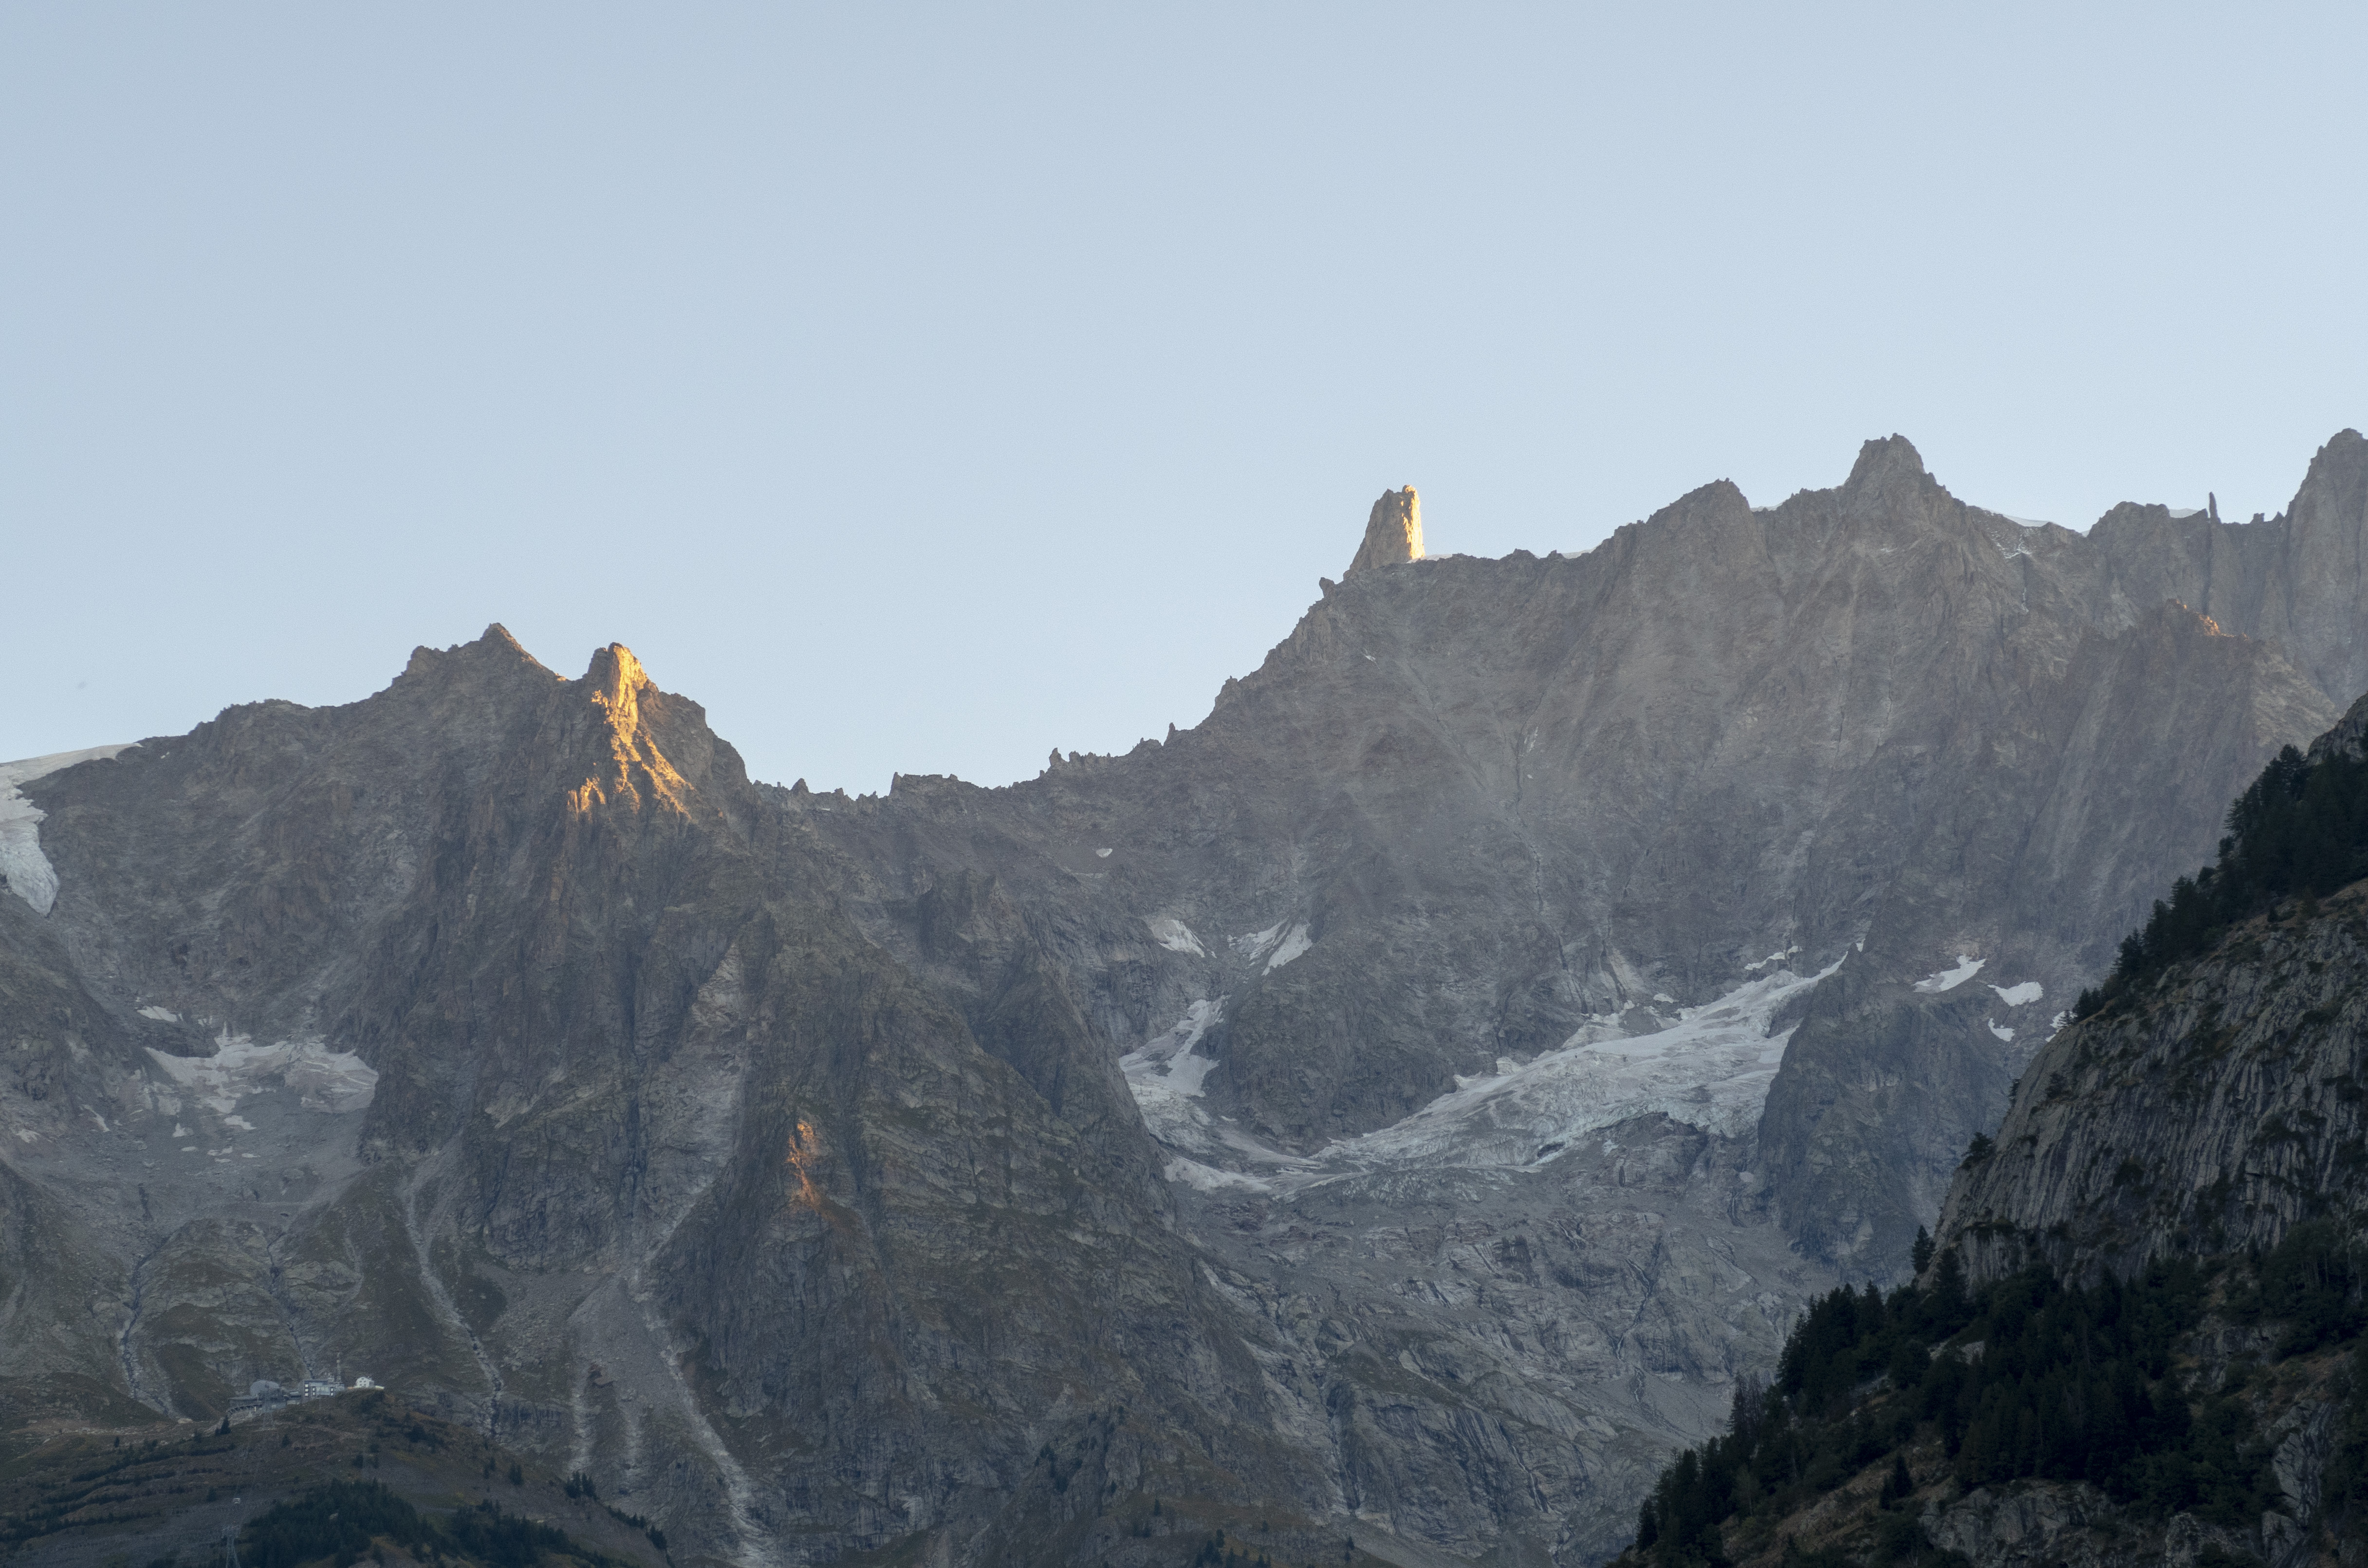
[1394, 533]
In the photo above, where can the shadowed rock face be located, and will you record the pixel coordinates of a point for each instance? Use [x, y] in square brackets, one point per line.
[778, 1157]
[2213, 1107]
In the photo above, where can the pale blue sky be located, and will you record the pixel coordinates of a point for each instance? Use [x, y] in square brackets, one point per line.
[924, 388]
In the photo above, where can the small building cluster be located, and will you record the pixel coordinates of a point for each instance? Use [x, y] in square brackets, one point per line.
[265, 1394]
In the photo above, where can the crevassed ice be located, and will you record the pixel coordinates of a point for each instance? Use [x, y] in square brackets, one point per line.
[1967, 966]
[325, 1080]
[1713, 1069]
[29, 872]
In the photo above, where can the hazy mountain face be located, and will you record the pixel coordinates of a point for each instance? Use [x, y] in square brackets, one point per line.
[1399, 1105]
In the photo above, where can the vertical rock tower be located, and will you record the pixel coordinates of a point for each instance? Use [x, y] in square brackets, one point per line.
[1394, 533]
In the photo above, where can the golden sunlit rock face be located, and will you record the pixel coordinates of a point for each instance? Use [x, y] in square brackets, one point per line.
[637, 768]
[1393, 532]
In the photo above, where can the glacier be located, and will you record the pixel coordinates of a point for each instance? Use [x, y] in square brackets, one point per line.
[26, 871]
[1710, 1066]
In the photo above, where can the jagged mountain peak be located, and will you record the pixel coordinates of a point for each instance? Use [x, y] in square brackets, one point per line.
[494, 648]
[2346, 447]
[1883, 456]
[1393, 531]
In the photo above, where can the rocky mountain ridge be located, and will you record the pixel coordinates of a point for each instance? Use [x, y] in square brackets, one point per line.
[1401, 1103]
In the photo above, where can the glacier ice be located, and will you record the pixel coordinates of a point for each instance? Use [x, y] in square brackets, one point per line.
[29, 872]
[1711, 1069]
[325, 1080]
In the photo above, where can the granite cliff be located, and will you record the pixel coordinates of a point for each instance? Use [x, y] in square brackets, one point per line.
[1400, 1106]
[2141, 1334]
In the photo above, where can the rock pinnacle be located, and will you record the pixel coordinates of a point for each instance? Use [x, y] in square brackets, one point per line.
[1394, 533]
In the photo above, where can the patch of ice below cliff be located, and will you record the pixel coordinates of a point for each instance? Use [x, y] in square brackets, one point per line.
[1711, 1068]
[1209, 1179]
[1967, 966]
[1258, 944]
[325, 1079]
[1294, 942]
[1174, 934]
[26, 871]
[1165, 1076]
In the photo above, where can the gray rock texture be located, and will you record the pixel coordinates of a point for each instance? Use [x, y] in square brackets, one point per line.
[2210, 1110]
[1400, 1105]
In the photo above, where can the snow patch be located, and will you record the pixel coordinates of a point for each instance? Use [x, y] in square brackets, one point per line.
[1258, 944]
[1294, 942]
[325, 1080]
[1175, 935]
[2187, 511]
[1967, 966]
[1778, 957]
[26, 869]
[162, 1015]
[1999, 1029]
[1102, 854]
[2021, 995]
